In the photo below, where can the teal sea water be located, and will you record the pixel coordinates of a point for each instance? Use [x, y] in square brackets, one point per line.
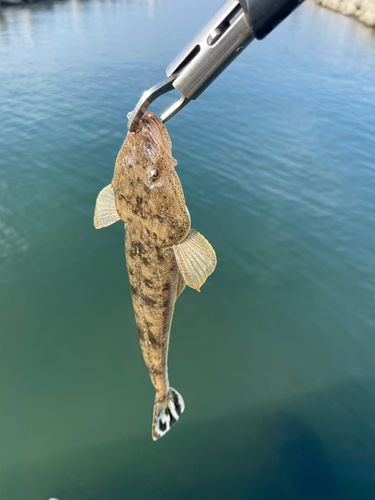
[275, 358]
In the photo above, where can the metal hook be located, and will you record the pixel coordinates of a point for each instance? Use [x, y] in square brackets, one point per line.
[149, 96]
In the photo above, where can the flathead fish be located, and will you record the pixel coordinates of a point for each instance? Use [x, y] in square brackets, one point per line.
[162, 252]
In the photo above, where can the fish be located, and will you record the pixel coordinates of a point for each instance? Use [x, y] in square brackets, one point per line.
[163, 253]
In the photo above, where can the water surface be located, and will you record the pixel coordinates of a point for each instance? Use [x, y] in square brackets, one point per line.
[275, 357]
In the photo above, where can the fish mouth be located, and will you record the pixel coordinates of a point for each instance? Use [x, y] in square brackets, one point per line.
[158, 131]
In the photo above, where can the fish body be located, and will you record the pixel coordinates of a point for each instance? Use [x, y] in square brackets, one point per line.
[162, 251]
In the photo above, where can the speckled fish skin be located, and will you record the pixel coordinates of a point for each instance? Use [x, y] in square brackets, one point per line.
[150, 201]
[163, 253]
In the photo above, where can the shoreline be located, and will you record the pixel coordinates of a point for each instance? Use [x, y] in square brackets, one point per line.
[363, 10]
[11, 3]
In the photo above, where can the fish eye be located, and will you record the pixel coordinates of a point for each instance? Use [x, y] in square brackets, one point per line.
[153, 173]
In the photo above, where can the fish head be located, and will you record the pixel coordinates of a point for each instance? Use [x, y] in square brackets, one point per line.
[147, 186]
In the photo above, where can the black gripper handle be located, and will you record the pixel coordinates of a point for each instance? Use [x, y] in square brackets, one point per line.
[265, 15]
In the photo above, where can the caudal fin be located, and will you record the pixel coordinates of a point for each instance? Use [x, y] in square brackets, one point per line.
[166, 413]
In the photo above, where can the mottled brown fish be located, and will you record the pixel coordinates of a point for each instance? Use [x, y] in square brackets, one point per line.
[162, 252]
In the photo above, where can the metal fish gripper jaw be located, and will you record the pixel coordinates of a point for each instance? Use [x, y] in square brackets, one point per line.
[219, 42]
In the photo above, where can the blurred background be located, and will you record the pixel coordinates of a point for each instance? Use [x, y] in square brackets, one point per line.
[275, 356]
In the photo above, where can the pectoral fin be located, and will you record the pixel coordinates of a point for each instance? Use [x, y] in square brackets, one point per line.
[196, 259]
[105, 208]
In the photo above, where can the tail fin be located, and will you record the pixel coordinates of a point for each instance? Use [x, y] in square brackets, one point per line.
[166, 413]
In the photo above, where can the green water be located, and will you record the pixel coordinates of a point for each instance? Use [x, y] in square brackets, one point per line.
[275, 357]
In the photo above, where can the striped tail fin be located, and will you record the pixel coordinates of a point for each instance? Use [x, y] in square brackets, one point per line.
[166, 413]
